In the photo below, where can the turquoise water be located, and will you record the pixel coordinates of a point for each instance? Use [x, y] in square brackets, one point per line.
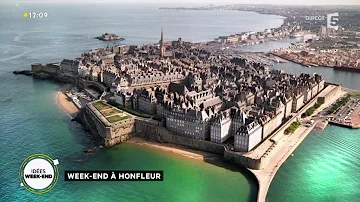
[33, 123]
[324, 168]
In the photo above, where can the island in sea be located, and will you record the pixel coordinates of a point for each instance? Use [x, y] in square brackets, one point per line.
[204, 97]
[109, 37]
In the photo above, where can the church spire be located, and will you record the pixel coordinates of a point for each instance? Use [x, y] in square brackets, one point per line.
[162, 46]
[162, 35]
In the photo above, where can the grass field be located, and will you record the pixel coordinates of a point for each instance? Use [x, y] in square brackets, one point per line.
[110, 113]
[116, 118]
[100, 105]
[130, 111]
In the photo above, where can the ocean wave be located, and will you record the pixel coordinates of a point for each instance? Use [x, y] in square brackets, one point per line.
[25, 52]
[6, 100]
[18, 37]
[15, 56]
[13, 49]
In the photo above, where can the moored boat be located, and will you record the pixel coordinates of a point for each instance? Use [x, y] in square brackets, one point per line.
[345, 68]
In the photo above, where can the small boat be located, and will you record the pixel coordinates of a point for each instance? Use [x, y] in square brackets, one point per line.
[292, 155]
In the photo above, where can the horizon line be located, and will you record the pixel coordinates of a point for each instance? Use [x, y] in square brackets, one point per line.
[176, 3]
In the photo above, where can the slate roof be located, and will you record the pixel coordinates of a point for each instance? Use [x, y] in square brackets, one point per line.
[211, 102]
[178, 88]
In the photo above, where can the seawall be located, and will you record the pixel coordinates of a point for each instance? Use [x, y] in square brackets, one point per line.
[154, 131]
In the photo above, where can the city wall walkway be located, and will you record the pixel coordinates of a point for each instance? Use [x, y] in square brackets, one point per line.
[287, 144]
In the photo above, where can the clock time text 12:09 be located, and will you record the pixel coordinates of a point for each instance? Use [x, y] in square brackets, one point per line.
[36, 15]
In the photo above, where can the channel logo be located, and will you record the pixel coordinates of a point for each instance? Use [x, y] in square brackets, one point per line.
[333, 21]
[39, 173]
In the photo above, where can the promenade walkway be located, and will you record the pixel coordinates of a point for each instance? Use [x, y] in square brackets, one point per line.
[287, 144]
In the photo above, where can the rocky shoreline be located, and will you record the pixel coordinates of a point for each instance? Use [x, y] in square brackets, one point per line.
[45, 76]
[40, 75]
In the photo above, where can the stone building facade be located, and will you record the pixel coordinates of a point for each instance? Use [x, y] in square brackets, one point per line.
[248, 136]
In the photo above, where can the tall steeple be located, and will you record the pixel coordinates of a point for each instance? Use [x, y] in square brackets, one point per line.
[162, 36]
[162, 46]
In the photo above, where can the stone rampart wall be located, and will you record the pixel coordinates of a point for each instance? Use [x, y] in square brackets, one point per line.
[155, 132]
[243, 160]
[118, 133]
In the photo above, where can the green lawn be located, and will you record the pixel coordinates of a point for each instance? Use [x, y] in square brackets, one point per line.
[100, 105]
[130, 111]
[110, 112]
[107, 111]
[116, 118]
[357, 95]
[293, 126]
[311, 110]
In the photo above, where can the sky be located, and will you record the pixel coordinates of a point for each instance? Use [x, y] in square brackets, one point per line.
[193, 2]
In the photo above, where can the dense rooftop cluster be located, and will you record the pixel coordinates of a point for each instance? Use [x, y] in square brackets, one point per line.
[200, 94]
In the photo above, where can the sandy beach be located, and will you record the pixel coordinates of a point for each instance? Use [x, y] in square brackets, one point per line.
[65, 103]
[199, 155]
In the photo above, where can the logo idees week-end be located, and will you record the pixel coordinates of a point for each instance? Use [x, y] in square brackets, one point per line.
[39, 173]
